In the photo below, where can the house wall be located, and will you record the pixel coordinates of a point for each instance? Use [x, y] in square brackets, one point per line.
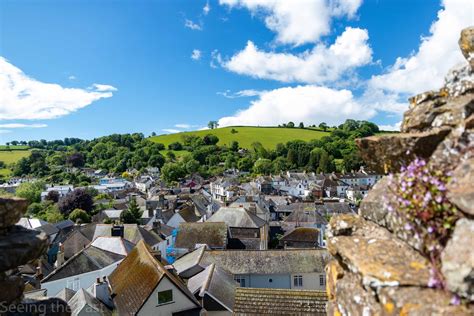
[180, 301]
[311, 281]
[278, 281]
[85, 279]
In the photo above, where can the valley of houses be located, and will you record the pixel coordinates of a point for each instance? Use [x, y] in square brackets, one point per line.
[216, 247]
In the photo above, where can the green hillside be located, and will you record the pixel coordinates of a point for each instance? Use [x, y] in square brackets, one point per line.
[9, 157]
[269, 137]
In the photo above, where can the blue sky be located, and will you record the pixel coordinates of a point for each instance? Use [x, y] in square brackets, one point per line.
[91, 68]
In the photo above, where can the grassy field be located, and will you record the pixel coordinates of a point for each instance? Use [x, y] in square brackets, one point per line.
[246, 135]
[11, 147]
[9, 157]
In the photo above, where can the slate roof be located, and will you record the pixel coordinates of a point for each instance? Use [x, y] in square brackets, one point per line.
[132, 232]
[305, 216]
[213, 234]
[116, 245]
[137, 276]
[31, 223]
[64, 224]
[237, 217]
[189, 260]
[302, 234]
[267, 261]
[87, 260]
[259, 301]
[48, 229]
[65, 294]
[201, 203]
[215, 282]
[77, 239]
[188, 214]
[83, 298]
[334, 208]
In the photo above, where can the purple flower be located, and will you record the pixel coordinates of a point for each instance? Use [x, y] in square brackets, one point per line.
[430, 230]
[408, 226]
[438, 199]
[427, 197]
[455, 300]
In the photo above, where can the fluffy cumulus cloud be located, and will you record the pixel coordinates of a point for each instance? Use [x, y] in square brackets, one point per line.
[22, 97]
[321, 64]
[308, 104]
[297, 22]
[196, 54]
[425, 69]
[394, 127]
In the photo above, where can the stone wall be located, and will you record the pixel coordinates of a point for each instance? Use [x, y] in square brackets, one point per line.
[377, 266]
[19, 246]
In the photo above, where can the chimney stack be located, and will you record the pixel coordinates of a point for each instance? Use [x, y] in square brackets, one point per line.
[117, 231]
[59, 256]
[101, 292]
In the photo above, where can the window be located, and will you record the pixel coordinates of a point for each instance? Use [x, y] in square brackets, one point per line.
[297, 280]
[73, 284]
[240, 280]
[165, 297]
[321, 280]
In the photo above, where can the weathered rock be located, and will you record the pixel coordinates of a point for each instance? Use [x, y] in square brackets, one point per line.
[418, 301]
[375, 207]
[21, 246]
[438, 112]
[11, 210]
[11, 288]
[390, 152]
[380, 259]
[458, 259]
[334, 272]
[466, 43]
[461, 187]
[354, 299]
[456, 147]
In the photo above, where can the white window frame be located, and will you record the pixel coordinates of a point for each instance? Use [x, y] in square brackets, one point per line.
[298, 280]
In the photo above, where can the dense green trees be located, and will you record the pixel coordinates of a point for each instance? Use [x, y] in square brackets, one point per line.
[118, 153]
[30, 191]
[132, 214]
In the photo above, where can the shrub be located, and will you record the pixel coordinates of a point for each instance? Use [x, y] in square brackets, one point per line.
[79, 216]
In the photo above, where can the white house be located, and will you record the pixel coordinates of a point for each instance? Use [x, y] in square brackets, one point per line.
[161, 291]
[61, 189]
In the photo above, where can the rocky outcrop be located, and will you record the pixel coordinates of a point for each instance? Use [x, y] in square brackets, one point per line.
[379, 264]
[19, 246]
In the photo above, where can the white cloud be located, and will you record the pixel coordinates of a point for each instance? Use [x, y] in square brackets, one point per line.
[193, 26]
[216, 59]
[206, 8]
[309, 104]
[72, 77]
[171, 130]
[196, 54]
[4, 131]
[103, 87]
[438, 52]
[394, 127]
[321, 64]
[22, 97]
[20, 125]
[298, 22]
[241, 94]
[183, 126]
